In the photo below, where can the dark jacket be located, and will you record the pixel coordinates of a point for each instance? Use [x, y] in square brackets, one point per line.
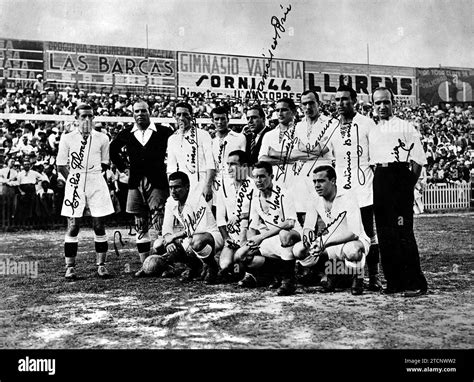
[253, 155]
[145, 161]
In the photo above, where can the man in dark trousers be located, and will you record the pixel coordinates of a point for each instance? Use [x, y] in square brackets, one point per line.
[146, 145]
[397, 154]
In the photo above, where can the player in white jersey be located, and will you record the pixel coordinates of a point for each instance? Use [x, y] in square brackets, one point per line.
[234, 199]
[273, 230]
[190, 151]
[224, 142]
[199, 239]
[83, 155]
[343, 238]
[313, 134]
[350, 147]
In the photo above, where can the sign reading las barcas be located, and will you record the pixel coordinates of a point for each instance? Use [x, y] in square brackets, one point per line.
[238, 76]
[110, 68]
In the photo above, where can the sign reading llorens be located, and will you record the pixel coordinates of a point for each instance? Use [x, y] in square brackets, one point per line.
[326, 77]
[110, 68]
[238, 76]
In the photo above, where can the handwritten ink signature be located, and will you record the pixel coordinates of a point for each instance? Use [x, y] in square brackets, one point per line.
[276, 204]
[287, 145]
[314, 235]
[76, 163]
[77, 158]
[402, 145]
[191, 139]
[243, 193]
[277, 27]
[191, 222]
[142, 225]
[74, 181]
[347, 173]
[320, 136]
[360, 151]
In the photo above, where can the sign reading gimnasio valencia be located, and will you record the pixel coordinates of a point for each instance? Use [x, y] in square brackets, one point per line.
[238, 76]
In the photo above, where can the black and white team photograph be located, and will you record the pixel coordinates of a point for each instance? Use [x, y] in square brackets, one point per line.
[236, 175]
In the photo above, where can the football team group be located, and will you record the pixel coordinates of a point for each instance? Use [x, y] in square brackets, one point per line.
[317, 202]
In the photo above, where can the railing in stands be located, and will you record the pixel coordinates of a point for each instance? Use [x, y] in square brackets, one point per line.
[447, 196]
[9, 222]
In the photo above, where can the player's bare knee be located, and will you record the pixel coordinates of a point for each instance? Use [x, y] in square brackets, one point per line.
[241, 253]
[299, 251]
[354, 251]
[159, 244]
[198, 242]
[288, 238]
[225, 258]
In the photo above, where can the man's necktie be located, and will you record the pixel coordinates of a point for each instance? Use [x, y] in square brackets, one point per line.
[252, 143]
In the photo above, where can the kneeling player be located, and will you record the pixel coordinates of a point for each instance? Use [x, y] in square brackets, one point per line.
[343, 239]
[234, 199]
[198, 240]
[273, 215]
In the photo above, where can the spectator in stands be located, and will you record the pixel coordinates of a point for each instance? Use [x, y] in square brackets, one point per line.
[45, 201]
[39, 84]
[27, 180]
[8, 175]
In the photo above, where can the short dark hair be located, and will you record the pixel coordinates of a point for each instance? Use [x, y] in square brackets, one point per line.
[330, 172]
[347, 88]
[289, 101]
[83, 106]
[261, 113]
[265, 165]
[220, 110]
[381, 88]
[185, 105]
[179, 175]
[243, 157]
[306, 92]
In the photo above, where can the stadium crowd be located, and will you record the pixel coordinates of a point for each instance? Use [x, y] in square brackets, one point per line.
[447, 137]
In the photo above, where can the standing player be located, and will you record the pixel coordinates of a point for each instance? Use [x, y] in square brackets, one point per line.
[225, 141]
[190, 151]
[87, 153]
[199, 238]
[146, 144]
[280, 149]
[350, 146]
[273, 230]
[234, 199]
[313, 134]
[398, 157]
[342, 239]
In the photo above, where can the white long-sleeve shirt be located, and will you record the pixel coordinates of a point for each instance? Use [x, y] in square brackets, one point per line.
[83, 156]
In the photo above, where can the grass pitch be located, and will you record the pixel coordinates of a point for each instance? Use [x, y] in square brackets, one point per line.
[46, 312]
